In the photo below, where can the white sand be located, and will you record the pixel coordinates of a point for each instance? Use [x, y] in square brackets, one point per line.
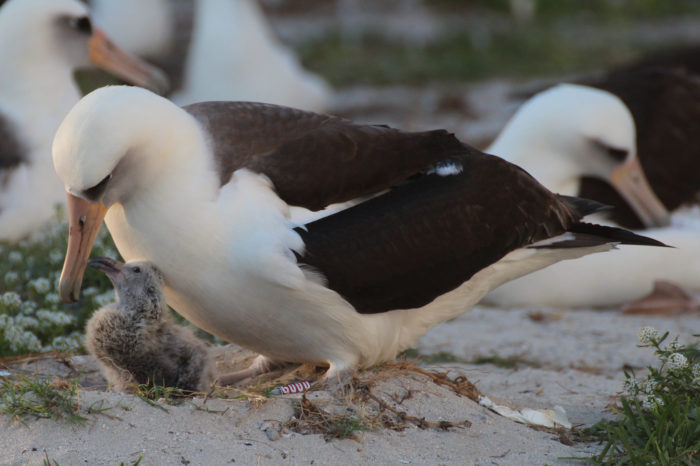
[581, 354]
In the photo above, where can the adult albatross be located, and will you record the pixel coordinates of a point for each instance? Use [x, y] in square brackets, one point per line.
[42, 43]
[203, 192]
[213, 50]
[572, 133]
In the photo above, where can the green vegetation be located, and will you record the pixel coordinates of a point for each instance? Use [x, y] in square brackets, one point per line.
[659, 416]
[511, 362]
[562, 37]
[441, 357]
[598, 9]
[32, 316]
[152, 393]
[21, 397]
[520, 52]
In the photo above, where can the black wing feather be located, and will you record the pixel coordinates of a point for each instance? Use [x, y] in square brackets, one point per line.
[424, 238]
[315, 160]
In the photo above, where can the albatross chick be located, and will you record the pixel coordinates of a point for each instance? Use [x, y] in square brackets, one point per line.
[134, 339]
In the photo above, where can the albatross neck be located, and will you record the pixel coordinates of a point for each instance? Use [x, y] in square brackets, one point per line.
[174, 190]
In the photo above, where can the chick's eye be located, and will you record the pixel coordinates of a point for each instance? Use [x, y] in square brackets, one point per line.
[81, 24]
[137, 269]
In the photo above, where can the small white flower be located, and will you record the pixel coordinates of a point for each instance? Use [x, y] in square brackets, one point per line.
[630, 385]
[20, 339]
[30, 342]
[71, 342]
[696, 370]
[673, 346]
[646, 334]
[652, 402]
[11, 278]
[677, 362]
[28, 307]
[11, 300]
[650, 386]
[90, 291]
[51, 318]
[15, 257]
[52, 299]
[40, 285]
[25, 322]
[56, 256]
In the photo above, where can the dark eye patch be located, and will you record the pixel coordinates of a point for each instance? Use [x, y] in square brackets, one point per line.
[614, 153]
[81, 24]
[618, 155]
[136, 269]
[94, 193]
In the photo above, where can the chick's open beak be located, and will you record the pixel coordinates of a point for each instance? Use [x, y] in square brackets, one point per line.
[105, 55]
[84, 221]
[629, 180]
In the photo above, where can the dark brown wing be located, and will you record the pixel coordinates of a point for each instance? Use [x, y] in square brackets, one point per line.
[315, 160]
[685, 58]
[665, 105]
[427, 237]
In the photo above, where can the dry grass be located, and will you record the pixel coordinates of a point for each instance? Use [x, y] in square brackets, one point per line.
[360, 408]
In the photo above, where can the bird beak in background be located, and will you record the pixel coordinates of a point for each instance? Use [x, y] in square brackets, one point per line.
[84, 221]
[109, 266]
[629, 180]
[105, 55]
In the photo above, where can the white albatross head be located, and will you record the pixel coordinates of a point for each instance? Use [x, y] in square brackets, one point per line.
[570, 131]
[45, 38]
[116, 144]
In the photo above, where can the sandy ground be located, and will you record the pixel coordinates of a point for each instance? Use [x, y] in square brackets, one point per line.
[579, 357]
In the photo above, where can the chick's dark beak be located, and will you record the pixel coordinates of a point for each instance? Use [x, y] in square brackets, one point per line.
[112, 268]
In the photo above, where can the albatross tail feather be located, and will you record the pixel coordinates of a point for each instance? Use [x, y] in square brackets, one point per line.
[581, 235]
[583, 206]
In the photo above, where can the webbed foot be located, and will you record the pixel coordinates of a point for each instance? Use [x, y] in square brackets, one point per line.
[261, 365]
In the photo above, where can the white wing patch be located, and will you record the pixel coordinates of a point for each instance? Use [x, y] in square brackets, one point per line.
[446, 169]
[262, 235]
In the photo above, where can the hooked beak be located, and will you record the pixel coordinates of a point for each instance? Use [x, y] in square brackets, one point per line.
[105, 55]
[629, 180]
[109, 266]
[84, 220]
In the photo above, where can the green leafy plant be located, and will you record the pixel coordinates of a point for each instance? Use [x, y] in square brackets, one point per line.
[22, 397]
[659, 415]
[152, 393]
[32, 316]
